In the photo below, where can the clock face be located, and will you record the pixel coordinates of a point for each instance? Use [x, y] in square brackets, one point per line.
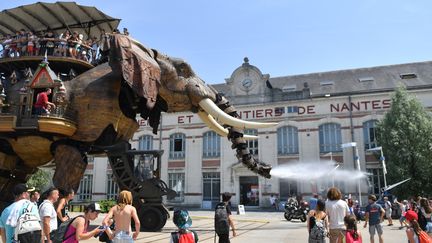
[247, 83]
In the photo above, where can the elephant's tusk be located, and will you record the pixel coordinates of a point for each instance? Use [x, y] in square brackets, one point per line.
[212, 124]
[212, 109]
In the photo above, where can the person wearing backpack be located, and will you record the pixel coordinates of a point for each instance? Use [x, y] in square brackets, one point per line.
[20, 220]
[352, 234]
[76, 229]
[414, 233]
[317, 223]
[223, 219]
[183, 221]
[425, 214]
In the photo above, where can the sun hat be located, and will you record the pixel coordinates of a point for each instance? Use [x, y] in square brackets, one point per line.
[411, 215]
[182, 219]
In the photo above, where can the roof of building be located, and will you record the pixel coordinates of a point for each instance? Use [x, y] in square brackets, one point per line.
[416, 75]
[370, 79]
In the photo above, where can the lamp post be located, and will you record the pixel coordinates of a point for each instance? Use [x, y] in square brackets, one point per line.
[382, 159]
[357, 160]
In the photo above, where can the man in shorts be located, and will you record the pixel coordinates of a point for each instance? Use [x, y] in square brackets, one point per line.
[374, 215]
[388, 211]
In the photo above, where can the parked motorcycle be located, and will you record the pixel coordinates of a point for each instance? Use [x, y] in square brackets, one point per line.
[294, 211]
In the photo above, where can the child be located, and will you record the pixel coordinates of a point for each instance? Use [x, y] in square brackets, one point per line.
[182, 220]
[351, 234]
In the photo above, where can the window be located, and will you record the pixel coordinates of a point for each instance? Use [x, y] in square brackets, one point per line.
[145, 142]
[85, 189]
[177, 146]
[176, 182]
[211, 186]
[287, 188]
[211, 145]
[330, 138]
[252, 144]
[112, 189]
[376, 180]
[279, 110]
[287, 138]
[369, 134]
[292, 109]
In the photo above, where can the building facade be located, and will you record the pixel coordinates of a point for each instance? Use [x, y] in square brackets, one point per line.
[316, 113]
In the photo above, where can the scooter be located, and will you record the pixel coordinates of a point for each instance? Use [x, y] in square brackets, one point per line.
[293, 211]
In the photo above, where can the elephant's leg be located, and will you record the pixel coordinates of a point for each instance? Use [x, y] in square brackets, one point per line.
[70, 167]
[12, 172]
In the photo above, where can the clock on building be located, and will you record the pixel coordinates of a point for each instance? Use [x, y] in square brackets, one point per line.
[247, 83]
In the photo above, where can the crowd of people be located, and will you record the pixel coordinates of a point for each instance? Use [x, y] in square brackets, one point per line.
[35, 217]
[66, 44]
[337, 219]
[45, 218]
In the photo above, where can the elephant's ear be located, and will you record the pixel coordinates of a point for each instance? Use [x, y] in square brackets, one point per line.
[137, 66]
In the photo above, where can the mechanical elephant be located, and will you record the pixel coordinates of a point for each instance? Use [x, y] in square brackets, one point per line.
[106, 99]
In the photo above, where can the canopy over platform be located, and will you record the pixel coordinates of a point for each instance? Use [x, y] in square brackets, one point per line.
[57, 17]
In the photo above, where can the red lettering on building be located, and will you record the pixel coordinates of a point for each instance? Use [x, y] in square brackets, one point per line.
[345, 107]
[246, 114]
[365, 103]
[386, 104]
[355, 105]
[259, 114]
[268, 112]
[180, 119]
[376, 104]
[334, 108]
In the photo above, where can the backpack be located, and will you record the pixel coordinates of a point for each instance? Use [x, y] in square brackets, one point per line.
[424, 237]
[189, 237]
[27, 222]
[318, 231]
[221, 220]
[60, 234]
[349, 236]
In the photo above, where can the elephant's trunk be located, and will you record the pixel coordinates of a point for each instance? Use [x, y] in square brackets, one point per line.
[235, 135]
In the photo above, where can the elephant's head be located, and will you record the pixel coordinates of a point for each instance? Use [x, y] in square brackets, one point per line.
[169, 84]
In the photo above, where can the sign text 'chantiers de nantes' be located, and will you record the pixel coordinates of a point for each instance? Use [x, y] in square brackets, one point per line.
[281, 111]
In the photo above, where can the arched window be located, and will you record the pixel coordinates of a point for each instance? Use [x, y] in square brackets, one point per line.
[330, 138]
[211, 145]
[177, 146]
[252, 144]
[369, 134]
[287, 138]
[145, 142]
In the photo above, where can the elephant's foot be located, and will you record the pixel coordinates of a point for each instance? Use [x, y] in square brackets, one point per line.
[11, 173]
[70, 166]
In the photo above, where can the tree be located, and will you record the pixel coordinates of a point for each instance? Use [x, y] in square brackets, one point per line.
[405, 134]
[39, 180]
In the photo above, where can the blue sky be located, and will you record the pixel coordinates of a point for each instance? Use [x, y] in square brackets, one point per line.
[280, 37]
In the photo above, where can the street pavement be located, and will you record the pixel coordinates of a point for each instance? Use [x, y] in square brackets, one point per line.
[253, 227]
